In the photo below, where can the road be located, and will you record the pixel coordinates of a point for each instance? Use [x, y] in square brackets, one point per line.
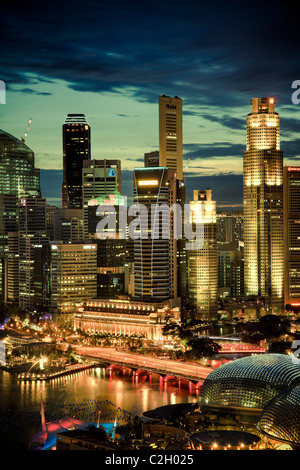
[178, 369]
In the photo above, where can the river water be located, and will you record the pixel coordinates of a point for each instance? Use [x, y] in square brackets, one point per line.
[79, 395]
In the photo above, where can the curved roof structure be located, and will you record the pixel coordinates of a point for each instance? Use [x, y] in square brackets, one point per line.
[250, 382]
[280, 419]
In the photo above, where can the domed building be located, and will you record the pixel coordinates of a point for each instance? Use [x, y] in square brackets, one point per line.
[244, 386]
[280, 419]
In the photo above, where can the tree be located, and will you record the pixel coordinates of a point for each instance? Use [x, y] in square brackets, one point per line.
[202, 347]
[97, 433]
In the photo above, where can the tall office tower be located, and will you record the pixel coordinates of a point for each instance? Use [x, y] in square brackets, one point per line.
[263, 205]
[151, 159]
[155, 249]
[202, 261]
[74, 275]
[170, 134]
[18, 179]
[30, 245]
[100, 178]
[171, 157]
[76, 149]
[291, 188]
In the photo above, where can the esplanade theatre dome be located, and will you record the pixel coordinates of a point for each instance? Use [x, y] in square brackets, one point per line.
[249, 383]
[280, 419]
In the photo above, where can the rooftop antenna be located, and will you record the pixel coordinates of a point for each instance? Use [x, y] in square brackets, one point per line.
[24, 138]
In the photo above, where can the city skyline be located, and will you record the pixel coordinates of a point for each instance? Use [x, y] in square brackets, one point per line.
[112, 64]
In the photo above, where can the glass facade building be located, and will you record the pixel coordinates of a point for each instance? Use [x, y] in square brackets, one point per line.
[248, 384]
[280, 420]
[18, 179]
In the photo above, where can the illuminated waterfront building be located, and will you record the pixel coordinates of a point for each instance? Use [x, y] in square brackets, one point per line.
[263, 205]
[291, 185]
[73, 275]
[202, 262]
[76, 149]
[124, 317]
[170, 134]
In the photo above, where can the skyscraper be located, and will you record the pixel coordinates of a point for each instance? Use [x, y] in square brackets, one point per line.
[156, 266]
[170, 134]
[202, 262]
[151, 249]
[263, 205]
[291, 185]
[28, 278]
[18, 179]
[76, 149]
[100, 178]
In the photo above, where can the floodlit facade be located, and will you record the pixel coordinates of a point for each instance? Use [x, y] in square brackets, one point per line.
[202, 262]
[291, 184]
[76, 149]
[124, 317]
[263, 205]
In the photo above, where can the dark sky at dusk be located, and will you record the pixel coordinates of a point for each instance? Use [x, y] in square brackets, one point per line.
[112, 59]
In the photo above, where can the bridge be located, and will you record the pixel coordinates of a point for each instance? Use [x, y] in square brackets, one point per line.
[164, 367]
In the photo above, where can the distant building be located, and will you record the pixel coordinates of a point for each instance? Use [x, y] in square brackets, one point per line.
[237, 226]
[151, 159]
[231, 269]
[71, 227]
[76, 149]
[291, 185]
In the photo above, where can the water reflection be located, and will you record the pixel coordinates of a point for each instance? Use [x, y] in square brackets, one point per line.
[132, 392]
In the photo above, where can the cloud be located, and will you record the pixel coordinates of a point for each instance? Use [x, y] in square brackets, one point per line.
[219, 55]
[213, 150]
[34, 92]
